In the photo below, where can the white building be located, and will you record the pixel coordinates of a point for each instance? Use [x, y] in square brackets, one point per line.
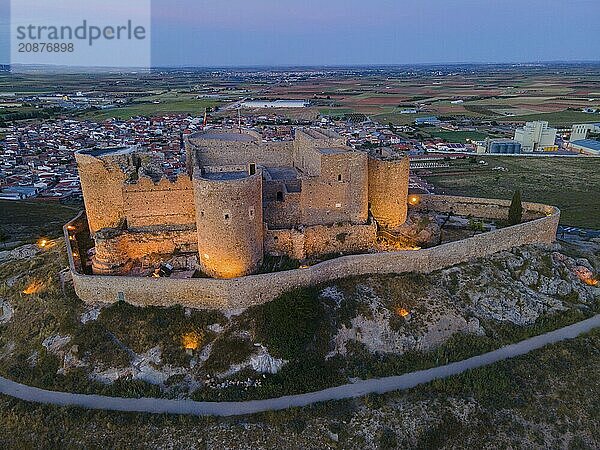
[536, 136]
[274, 103]
[580, 131]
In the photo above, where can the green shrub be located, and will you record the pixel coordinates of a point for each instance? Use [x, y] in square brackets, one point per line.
[226, 351]
[141, 329]
[99, 345]
[288, 324]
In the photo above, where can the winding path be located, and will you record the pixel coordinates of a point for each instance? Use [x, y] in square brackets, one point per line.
[360, 388]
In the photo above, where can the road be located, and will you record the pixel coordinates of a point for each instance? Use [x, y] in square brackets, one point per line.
[360, 388]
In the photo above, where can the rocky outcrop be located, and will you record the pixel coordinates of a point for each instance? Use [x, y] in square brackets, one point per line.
[6, 312]
[22, 252]
[395, 315]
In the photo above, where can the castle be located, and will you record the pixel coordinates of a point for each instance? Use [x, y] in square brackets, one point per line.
[240, 200]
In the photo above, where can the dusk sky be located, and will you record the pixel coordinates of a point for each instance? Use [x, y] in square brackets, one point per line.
[347, 32]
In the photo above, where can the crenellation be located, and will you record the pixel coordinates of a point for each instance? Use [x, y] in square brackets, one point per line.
[306, 199]
[238, 187]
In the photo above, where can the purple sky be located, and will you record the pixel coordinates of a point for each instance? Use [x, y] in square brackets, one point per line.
[322, 32]
[346, 32]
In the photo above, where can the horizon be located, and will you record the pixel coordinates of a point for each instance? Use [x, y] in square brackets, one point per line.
[515, 64]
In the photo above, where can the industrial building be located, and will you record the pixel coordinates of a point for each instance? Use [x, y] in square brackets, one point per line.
[536, 137]
[581, 131]
[499, 146]
[586, 146]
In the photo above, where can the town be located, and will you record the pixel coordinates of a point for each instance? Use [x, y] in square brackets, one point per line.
[37, 157]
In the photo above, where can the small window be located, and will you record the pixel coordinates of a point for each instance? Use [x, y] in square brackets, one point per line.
[251, 212]
[340, 177]
[279, 196]
[252, 168]
[227, 215]
[201, 213]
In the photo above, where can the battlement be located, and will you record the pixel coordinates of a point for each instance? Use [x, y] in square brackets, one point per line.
[385, 154]
[226, 135]
[237, 187]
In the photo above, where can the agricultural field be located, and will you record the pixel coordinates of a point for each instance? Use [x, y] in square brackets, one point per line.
[564, 118]
[506, 95]
[154, 106]
[572, 184]
[120, 83]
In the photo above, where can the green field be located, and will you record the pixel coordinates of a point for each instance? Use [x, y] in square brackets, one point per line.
[396, 118]
[171, 105]
[561, 119]
[572, 184]
[335, 112]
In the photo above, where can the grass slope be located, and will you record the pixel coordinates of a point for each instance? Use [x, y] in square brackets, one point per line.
[572, 184]
[546, 399]
[30, 220]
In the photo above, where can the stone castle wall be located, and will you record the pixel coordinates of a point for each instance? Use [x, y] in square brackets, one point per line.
[320, 240]
[305, 154]
[229, 219]
[388, 191]
[114, 251]
[339, 194]
[284, 213]
[113, 196]
[102, 183]
[478, 207]
[227, 153]
[256, 289]
[164, 203]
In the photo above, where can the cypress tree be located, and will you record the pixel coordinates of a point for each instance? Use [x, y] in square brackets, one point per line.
[515, 213]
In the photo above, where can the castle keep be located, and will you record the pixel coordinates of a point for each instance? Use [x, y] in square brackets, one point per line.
[240, 200]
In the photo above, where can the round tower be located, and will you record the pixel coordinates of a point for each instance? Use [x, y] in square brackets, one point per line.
[229, 219]
[388, 190]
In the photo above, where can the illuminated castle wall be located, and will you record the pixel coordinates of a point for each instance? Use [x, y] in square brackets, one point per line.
[242, 198]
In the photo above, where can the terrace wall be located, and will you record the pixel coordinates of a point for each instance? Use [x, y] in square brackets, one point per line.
[257, 289]
[114, 251]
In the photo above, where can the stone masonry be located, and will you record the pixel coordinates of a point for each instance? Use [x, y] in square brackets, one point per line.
[242, 198]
